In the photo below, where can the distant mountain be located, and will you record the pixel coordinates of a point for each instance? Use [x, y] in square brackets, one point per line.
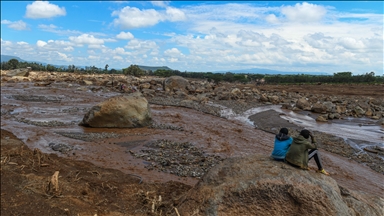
[154, 68]
[5, 58]
[267, 71]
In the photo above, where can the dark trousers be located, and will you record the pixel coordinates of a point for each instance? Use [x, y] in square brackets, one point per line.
[313, 153]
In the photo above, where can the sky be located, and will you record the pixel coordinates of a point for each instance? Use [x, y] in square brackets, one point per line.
[199, 36]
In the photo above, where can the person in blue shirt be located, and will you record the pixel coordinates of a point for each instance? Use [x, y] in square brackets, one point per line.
[282, 144]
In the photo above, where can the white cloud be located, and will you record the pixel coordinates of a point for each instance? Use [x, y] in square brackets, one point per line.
[160, 3]
[304, 12]
[131, 17]
[144, 45]
[64, 57]
[351, 43]
[94, 57]
[17, 25]
[44, 9]
[118, 58]
[271, 18]
[41, 43]
[22, 43]
[174, 14]
[86, 39]
[174, 52]
[125, 36]
[54, 29]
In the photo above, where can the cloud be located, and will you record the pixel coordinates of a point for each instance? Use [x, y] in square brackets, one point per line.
[125, 36]
[43, 9]
[304, 12]
[271, 18]
[17, 25]
[162, 4]
[174, 52]
[131, 17]
[41, 43]
[174, 14]
[64, 57]
[54, 29]
[86, 39]
[351, 43]
[22, 43]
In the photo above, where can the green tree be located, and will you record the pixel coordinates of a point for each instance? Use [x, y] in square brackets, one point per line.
[50, 68]
[13, 63]
[133, 70]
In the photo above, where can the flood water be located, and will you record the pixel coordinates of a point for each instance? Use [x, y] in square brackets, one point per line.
[357, 132]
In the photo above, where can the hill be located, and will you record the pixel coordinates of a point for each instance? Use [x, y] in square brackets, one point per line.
[267, 71]
[154, 68]
[5, 58]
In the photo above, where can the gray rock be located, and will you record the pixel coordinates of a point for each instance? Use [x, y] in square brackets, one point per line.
[126, 111]
[302, 103]
[319, 108]
[256, 184]
[18, 72]
[175, 83]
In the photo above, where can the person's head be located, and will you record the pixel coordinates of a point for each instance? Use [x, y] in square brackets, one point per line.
[284, 131]
[305, 133]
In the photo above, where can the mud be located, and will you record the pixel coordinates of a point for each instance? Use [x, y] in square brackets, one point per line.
[50, 125]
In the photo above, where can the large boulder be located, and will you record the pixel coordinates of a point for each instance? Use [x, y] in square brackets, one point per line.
[319, 108]
[126, 111]
[24, 72]
[175, 83]
[302, 103]
[257, 185]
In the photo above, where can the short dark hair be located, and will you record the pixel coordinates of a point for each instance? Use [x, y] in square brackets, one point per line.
[284, 131]
[305, 133]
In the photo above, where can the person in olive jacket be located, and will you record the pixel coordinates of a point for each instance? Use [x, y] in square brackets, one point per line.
[298, 154]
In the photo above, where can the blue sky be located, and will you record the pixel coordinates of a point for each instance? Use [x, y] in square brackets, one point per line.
[317, 36]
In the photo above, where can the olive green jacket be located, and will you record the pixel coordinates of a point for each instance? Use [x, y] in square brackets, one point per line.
[298, 152]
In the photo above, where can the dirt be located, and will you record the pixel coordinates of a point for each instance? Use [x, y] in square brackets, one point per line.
[102, 172]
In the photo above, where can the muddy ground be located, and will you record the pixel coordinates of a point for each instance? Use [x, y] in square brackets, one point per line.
[140, 171]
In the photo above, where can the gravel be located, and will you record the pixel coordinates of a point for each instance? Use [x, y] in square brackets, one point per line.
[181, 159]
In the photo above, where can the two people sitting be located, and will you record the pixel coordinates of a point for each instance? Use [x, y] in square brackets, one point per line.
[295, 151]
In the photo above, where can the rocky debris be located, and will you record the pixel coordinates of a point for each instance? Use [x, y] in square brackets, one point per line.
[127, 111]
[42, 83]
[170, 101]
[37, 98]
[174, 83]
[256, 184]
[23, 72]
[321, 118]
[319, 108]
[53, 123]
[166, 127]
[303, 104]
[178, 87]
[60, 147]
[181, 159]
[87, 82]
[89, 136]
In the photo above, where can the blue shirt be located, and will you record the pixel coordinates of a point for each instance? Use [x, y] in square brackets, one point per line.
[281, 146]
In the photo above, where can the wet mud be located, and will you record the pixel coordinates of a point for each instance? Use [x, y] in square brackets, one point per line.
[52, 127]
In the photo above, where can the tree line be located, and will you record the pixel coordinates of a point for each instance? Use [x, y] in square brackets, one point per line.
[135, 70]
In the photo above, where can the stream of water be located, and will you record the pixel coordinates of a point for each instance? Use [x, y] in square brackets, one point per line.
[357, 132]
